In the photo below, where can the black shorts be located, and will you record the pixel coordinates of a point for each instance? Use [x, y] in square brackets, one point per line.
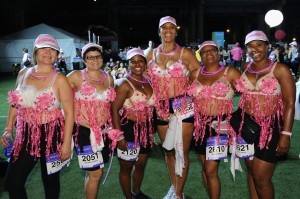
[201, 147]
[84, 139]
[171, 111]
[268, 154]
[129, 136]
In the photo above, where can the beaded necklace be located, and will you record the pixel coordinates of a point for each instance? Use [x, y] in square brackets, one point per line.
[92, 79]
[170, 53]
[42, 76]
[203, 72]
[143, 81]
[250, 70]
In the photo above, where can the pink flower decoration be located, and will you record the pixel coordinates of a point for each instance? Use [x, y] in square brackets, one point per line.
[111, 94]
[113, 135]
[176, 71]
[240, 85]
[14, 97]
[87, 89]
[206, 92]
[44, 101]
[192, 89]
[220, 89]
[269, 85]
[140, 106]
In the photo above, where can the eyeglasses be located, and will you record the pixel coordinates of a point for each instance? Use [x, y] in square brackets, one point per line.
[98, 57]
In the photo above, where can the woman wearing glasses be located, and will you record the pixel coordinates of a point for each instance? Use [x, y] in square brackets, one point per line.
[93, 93]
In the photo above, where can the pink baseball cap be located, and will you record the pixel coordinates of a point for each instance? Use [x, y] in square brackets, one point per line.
[256, 35]
[133, 52]
[167, 19]
[90, 45]
[46, 41]
[207, 43]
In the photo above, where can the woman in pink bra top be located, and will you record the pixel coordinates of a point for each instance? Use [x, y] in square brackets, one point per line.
[268, 95]
[135, 101]
[42, 130]
[212, 90]
[93, 94]
[168, 67]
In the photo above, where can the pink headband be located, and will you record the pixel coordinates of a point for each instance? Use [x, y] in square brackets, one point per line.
[133, 52]
[167, 19]
[90, 45]
[207, 43]
[256, 35]
[46, 41]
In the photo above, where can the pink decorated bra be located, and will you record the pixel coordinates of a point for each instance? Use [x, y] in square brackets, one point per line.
[161, 81]
[96, 105]
[207, 97]
[142, 107]
[37, 110]
[220, 89]
[266, 85]
[264, 102]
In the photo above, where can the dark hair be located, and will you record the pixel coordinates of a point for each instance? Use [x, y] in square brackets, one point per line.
[91, 49]
[25, 50]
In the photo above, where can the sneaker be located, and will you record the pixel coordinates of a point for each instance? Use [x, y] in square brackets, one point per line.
[177, 197]
[140, 195]
[171, 193]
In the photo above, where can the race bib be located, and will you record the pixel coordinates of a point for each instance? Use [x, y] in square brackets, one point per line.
[88, 159]
[189, 112]
[54, 164]
[216, 149]
[244, 150]
[130, 154]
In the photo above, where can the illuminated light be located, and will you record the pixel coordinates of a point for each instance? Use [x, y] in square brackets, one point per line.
[178, 27]
[273, 18]
[227, 30]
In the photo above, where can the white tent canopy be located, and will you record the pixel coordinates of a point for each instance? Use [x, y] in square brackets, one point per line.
[11, 46]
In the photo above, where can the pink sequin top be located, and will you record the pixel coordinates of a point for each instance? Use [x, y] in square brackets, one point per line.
[211, 102]
[92, 108]
[142, 107]
[263, 101]
[36, 108]
[162, 79]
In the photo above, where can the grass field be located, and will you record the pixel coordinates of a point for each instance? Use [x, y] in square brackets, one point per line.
[156, 181]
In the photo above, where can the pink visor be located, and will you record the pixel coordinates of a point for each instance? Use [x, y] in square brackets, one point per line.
[207, 43]
[90, 45]
[256, 35]
[167, 19]
[133, 52]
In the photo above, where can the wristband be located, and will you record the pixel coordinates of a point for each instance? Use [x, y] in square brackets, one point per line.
[7, 129]
[286, 133]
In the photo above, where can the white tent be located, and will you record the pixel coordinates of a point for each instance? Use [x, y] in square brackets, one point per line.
[11, 46]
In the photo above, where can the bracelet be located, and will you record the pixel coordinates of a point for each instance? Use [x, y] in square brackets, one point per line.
[286, 133]
[7, 129]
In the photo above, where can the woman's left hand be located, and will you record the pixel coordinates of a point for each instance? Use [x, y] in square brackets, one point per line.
[283, 145]
[65, 151]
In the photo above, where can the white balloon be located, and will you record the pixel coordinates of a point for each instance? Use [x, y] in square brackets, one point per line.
[273, 18]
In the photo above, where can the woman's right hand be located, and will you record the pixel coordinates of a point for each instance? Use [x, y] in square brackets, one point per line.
[122, 144]
[4, 142]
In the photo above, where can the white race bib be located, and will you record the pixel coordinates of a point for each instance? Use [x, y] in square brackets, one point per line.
[54, 164]
[130, 154]
[216, 149]
[88, 159]
[244, 150]
[189, 112]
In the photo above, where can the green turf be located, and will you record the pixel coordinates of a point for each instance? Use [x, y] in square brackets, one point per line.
[156, 182]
